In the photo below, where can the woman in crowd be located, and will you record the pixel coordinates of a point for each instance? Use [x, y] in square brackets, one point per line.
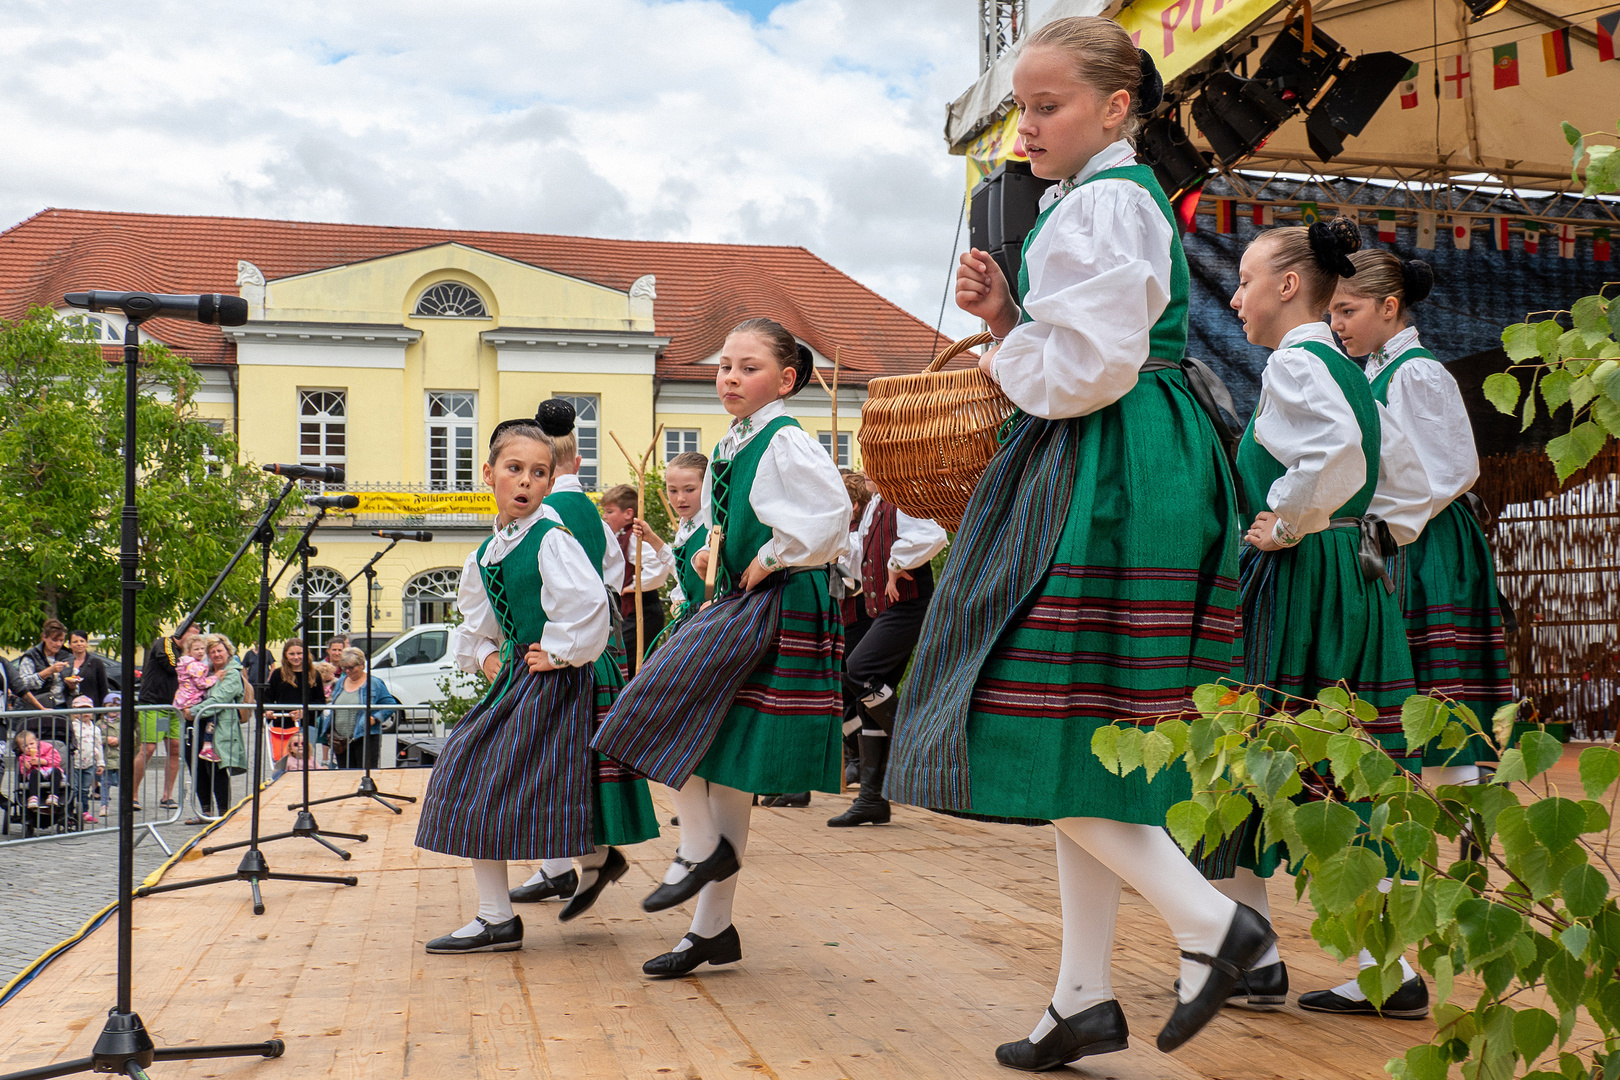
[291, 683]
[354, 734]
[214, 777]
[86, 673]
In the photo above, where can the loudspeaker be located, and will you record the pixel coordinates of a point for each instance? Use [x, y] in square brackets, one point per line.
[1178, 164]
[1356, 95]
[1002, 210]
[1236, 115]
[1295, 74]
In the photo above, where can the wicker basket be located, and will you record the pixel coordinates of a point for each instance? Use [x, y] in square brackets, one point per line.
[926, 438]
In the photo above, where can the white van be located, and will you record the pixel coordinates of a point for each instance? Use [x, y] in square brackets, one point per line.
[414, 663]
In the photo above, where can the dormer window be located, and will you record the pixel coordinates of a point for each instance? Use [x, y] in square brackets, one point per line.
[451, 300]
[100, 329]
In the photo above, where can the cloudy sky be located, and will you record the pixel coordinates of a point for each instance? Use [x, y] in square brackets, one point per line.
[813, 122]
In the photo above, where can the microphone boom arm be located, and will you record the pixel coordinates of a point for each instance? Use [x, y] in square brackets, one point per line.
[252, 538]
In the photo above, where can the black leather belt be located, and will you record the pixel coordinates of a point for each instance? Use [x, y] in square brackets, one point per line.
[1374, 546]
[1210, 393]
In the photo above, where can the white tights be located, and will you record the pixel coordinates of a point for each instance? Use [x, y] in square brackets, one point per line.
[1094, 855]
[709, 812]
[1247, 887]
[494, 897]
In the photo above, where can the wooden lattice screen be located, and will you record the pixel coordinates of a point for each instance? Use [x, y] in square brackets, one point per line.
[1558, 564]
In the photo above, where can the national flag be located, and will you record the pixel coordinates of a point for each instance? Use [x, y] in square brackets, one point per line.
[1409, 88]
[1566, 241]
[1457, 76]
[1505, 66]
[1264, 215]
[1223, 216]
[1500, 233]
[1532, 237]
[1600, 245]
[1309, 214]
[1462, 232]
[1386, 226]
[1555, 51]
[1425, 230]
[1608, 28]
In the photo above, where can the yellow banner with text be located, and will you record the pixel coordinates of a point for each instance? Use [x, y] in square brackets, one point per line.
[430, 502]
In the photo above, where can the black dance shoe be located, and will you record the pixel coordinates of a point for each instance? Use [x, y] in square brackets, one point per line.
[562, 887]
[717, 867]
[1258, 988]
[606, 874]
[1098, 1030]
[494, 937]
[1410, 1002]
[801, 798]
[1247, 939]
[724, 948]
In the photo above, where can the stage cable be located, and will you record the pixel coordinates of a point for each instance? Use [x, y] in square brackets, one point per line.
[950, 274]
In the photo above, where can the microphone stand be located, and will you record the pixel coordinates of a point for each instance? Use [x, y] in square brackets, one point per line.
[368, 787]
[253, 868]
[124, 1046]
[304, 825]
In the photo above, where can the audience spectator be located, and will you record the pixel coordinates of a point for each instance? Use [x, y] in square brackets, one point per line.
[287, 689]
[110, 739]
[329, 676]
[298, 758]
[355, 735]
[85, 755]
[334, 650]
[214, 777]
[39, 770]
[13, 695]
[255, 664]
[193, 676]
[87, 673]
[159, 681]
[42, 667]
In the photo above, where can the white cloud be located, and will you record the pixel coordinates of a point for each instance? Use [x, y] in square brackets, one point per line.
[819, 125]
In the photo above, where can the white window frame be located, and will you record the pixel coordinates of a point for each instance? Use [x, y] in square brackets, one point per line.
[844, 444]
[433, 586]
[326, 620]
[588, 433]
[460, 435]
[325, 421]
[464, 296]
[676, 442]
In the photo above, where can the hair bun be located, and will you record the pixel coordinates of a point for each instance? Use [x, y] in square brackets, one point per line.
[1150, 92]
[1332, 243]
[555, 417]
[805, 369]
[1417, 280]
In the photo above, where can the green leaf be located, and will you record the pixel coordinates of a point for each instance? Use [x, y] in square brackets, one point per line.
[1585, 891]
[1555, 388]
[1565, 979]
[1503, 390]
[1156, 753]
[1185, 820]
[1176, 731]
[1326, 827]
[1590, 315]
[1556, 822]
[1334, 697]
[1443, 976]
[1574, 938]
[1581, 392]
[1571, 453]
[1412, 842]
[1375, 769]
[1105, 747]
[1345, 877]
[1533, 1032]
[1572, 344]
[1541, 752]
[1599, 168]
[1487, 929]
[1597, 816]
[1502, 722]
[1207, 698]
[1510, 767]
[1548, 331]
[1527, 415]
[1130, 749]
[1606, 376]
[1607, 413]
[1599, 767]
[1572, 135]
[1201, 738]
[1519, 340]
[1422, 718]
[1234, 811]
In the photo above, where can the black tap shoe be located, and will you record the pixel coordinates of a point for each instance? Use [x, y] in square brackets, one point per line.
[1247, 939]
[724, 948]
[1410, 1002]
[561, 887]
[1100, 1029]
[1259, 988]
[606, 874]
[494, 937]
[717, 867]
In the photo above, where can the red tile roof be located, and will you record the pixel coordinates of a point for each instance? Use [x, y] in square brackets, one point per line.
[703, 289]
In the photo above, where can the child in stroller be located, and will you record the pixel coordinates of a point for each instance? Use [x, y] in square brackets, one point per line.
[43, 780]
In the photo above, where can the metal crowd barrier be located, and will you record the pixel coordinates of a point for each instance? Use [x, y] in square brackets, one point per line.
[85, 801]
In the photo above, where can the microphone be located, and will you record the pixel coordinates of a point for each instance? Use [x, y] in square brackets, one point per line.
[400, 534]
[333, 502]
[327, 474]
[213, 308]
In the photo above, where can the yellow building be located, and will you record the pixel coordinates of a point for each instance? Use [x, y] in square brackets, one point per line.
[393, 353]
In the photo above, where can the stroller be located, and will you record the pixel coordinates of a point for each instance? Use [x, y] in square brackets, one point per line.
[64, 817]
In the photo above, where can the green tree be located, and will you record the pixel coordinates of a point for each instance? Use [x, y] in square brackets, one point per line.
[1577, 365]
[61, 491]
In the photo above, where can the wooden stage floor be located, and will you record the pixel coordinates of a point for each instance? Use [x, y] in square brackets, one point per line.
[904, 951]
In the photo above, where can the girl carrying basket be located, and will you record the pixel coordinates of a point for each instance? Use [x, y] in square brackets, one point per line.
[1094, 577]
[744, 695]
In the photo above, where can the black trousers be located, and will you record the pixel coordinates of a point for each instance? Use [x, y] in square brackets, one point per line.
[213, 781]
[879, 658]
[854, 632]
[652, 616]
[361, 753]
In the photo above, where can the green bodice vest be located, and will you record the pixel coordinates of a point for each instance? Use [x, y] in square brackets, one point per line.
[690, 580]
[744, 533]
[581, 517]
[513, 586]
[1168, 338]
[1381, 381]
[1257, 470]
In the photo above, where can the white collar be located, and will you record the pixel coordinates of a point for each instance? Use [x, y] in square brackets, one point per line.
[567, 482]
[1402, 342]
[744, 428]
[1311, 331]
[1111, 156]
[512, 533]
[685, 529]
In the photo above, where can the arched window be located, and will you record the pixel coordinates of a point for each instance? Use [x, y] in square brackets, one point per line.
[328, 603]
[451, 300]
[100, 329]
[430, 597]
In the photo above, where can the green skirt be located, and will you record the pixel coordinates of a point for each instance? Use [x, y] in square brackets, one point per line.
[783, 732]
[1138, 608]
[621, 806]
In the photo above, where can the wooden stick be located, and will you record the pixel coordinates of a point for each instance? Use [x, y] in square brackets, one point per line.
[716, 537]
[832, 392]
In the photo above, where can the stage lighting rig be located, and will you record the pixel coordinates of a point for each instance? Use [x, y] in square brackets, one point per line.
[1356, 94]
[1179, 165]
[1478, 9]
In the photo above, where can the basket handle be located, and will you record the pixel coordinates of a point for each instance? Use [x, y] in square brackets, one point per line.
[952, 351]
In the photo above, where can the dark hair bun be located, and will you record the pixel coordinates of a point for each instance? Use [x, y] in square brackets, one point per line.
[1417, 280]
[1150, 92]
[555, 417]
[1332, 243]
[804, 368]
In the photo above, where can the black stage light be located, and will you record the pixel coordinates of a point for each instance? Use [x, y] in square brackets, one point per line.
[1236, 115]
[1357, 94]
[1002, 211]
[1295, 73]
[1179, 165]
[1478, 9]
